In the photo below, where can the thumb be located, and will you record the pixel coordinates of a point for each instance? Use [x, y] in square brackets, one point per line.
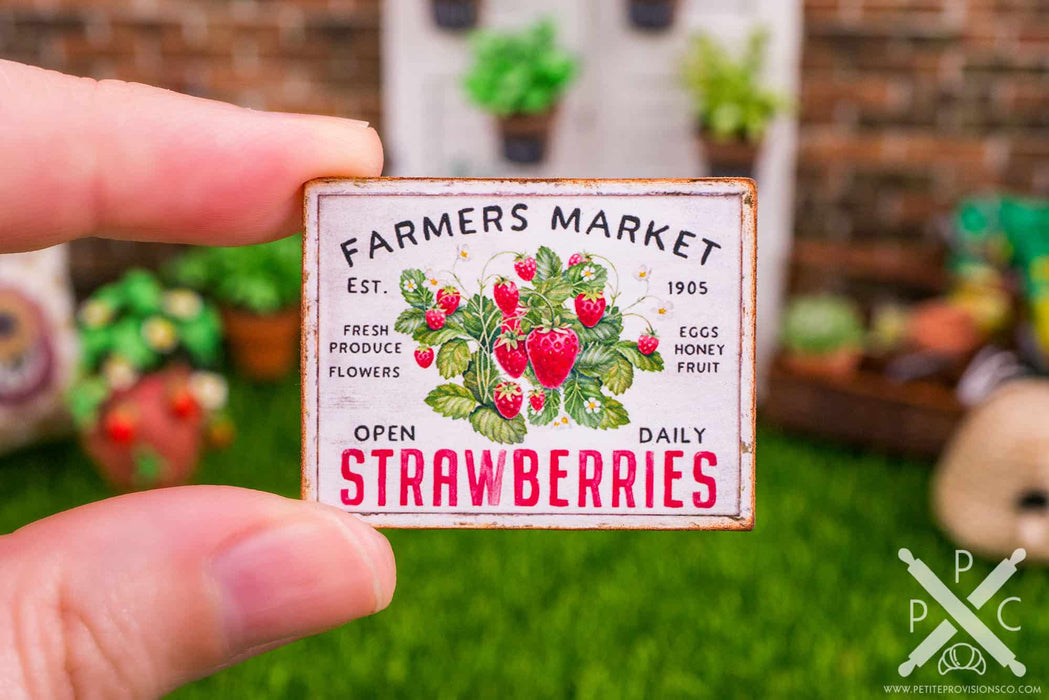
[138, 594]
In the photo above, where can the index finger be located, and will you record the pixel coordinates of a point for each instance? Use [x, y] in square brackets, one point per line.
[123, 160]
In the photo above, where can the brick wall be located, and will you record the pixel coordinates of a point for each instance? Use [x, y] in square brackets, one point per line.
[318, 56]
[908, 105]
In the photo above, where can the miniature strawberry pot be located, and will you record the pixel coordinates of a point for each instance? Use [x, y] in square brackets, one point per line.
[652, 14]
[520, 78]
[455, 14]
[143, 412]
[823, 336]
[538, 343]
[257, 288]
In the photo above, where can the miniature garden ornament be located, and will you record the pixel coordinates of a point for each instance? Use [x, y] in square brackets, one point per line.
[143, 408]
[257, 289]
[519, 379]
[733, 110]
[823, 336]
[520, 78]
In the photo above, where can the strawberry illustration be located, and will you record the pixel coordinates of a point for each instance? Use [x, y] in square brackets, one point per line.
[552, 352]
[524, 265]
[578, 259]
[510, 353]
[435, 319]
[120, 426]
[590, 307]
[512, 322]
[506, 295]
[537, 399]
[648, 342]
[424, 356]
[448, 299]
[508, 398]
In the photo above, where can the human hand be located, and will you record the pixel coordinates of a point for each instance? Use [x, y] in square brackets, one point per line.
[135, 595]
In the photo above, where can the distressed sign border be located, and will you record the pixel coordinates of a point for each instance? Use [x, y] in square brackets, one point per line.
[742, 188]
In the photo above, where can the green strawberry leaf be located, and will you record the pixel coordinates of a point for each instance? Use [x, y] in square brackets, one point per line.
[410, 320]
[645, 363]
[596, 359]
[547, 264]
[587, 277]
[613, 414]
[453, 358]
[579, 391]
[493, 426]
[425, 336]
[556, 290]
[129, 344]
[481, 376]
[619, 376]
[607, 330]
[414, 291]
[451, 401]
[550, 408]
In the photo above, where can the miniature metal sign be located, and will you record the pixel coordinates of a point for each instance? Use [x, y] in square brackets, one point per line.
[530, 353]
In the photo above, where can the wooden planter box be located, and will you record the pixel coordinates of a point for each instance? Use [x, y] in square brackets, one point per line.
[916, 418]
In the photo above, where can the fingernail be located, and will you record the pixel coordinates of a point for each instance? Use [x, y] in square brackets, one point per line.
[337, 121]
[301, 578]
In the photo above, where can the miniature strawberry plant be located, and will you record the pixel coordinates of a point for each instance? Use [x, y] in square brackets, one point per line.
[545, 331]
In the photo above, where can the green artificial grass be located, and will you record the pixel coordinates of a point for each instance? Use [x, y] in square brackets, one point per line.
[812, 603]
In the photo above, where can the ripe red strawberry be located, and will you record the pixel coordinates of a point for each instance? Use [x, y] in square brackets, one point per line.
[590, 307]
[435, 319]
[506, 295]
[508, 398]
[537, 399]
[577, 259]
[525, 267]
[510, 353]
[424, 356]
[448, 299]
[552, 352]
[647, 343]
[183, 404]
[512, 322]
[120, 426]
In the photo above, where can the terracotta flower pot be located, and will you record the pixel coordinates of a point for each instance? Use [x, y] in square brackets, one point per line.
[652, 15]
[455, 14]
[263, 346]
[838, 365]
[158, 443]
[944, 329]
[525, 136]
[728, 158]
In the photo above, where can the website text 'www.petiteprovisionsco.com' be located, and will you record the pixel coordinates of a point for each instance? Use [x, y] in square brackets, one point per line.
[961, 689]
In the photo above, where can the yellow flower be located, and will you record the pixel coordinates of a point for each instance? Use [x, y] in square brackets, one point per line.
[119, 373]
[183, 304]
[159, 334]
[209, 389]
[95, 313]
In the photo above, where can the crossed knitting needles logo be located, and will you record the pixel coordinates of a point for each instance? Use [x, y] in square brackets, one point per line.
[961, 614]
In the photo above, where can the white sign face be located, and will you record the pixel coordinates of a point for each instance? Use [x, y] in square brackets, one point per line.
[530, 353]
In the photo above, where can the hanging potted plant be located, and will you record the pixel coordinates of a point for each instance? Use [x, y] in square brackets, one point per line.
[455, 14]
[258, 290]
[822, 336]
[733, 109]
[520, 78]
[142, 404]
[652, 15]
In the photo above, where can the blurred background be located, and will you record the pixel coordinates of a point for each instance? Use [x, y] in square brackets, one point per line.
[901, 149]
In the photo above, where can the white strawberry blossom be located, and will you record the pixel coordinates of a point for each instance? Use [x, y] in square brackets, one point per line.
[589, 273]
[562, 422]
[663, 308]
[643, 273]
[431, 279]
[183, 304]
[410, 286]
[95, 313]
[592, 405]
[209, 389]
[119, 373]
[462, 253]
[159, 334]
